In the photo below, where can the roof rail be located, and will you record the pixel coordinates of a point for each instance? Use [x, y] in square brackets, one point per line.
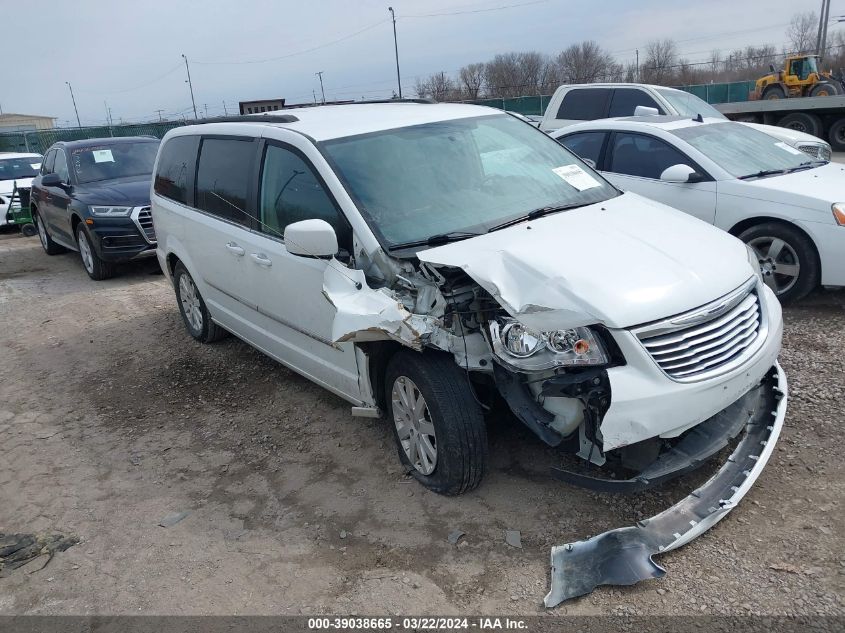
[404, 100]
[250, 118]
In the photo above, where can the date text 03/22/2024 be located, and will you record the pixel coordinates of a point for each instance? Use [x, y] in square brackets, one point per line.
[417, 623]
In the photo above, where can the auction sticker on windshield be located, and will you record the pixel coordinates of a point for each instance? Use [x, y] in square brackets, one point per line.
[103, 156]
[576, 177]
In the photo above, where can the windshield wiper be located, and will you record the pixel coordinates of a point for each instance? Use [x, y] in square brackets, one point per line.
[538, 213]
[807, 165]
[434, 240]
[764, 173]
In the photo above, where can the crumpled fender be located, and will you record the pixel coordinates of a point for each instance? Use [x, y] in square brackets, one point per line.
[363, 314]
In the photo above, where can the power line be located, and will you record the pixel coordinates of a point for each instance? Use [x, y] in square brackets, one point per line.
[302, 52]
[143, 85]
[485, 10]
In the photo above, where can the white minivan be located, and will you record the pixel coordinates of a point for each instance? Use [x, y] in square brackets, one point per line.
[431, 262]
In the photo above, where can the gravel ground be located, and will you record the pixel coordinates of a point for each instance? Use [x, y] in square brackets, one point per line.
[112, 418]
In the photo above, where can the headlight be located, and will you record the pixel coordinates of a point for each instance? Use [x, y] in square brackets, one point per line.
[754, 260]
[839, 213]
[111, 212]
[527, 350]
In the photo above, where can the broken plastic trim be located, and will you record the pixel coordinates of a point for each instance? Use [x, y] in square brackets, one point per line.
[624, 556]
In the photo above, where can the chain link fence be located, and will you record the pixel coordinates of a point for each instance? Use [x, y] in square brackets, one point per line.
[38, 141]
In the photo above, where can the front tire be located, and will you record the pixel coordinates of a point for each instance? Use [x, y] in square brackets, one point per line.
[97, 268]
[825, 89]
[437, 423]
[47, 243]
[788, 259]
[193, 309]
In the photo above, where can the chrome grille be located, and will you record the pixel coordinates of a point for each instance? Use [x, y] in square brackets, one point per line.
[145, 222]
[711, 344]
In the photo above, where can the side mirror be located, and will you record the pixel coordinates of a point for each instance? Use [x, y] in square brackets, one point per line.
[311, 238]
[681, 173]
[51, 180]
[646, 111]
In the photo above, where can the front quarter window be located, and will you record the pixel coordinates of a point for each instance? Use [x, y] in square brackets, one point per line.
[462, 175]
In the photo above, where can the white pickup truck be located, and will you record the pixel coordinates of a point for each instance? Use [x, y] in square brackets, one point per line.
[575, 103]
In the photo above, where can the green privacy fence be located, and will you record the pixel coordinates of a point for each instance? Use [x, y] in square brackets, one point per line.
[534, 104]
[39, 140]
[721, 93]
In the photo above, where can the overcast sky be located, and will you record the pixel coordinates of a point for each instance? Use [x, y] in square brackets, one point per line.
[129, 53]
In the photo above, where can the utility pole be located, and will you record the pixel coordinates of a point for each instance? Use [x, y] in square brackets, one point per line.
[638, 65]
[396, 50]
[205, 105]
[190, 85]
[225, 111]
[159, 115]
[822, 39]
[314, 94]
[320, 75]
[72, 98]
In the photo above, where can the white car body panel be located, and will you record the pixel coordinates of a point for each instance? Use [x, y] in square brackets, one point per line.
[802, 198]
[6, 186]
[550, 123]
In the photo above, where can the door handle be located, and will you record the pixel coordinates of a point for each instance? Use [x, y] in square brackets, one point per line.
[261, 259]
[234, 248]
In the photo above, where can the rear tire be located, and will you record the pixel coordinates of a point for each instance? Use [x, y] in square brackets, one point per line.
[836, 135]
[825, 89]
[781, 246]
[802, 122]
[429, 398]
[97, 268]
[50, 247]
[193, 309]
[774, 92]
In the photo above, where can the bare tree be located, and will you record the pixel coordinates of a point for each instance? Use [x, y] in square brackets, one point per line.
[802, 32]
[660, 61]
[516, 74]
[472, 80]
[587, 62]
[438, 86]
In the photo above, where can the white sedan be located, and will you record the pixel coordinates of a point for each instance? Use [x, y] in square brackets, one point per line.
[15, 169]
[788, 207]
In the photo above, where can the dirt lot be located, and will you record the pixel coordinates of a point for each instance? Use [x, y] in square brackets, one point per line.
[112, 417]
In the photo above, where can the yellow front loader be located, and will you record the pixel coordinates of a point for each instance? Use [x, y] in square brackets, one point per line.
[800, 77]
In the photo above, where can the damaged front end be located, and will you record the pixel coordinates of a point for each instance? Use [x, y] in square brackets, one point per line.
[624, 556]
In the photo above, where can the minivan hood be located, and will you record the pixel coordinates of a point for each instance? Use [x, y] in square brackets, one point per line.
[132, 192]
[622, 262]
[815, 188]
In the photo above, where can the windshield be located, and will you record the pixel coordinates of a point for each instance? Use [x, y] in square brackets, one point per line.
[120, 160]
[16, 168]
[741, 150]
[689, 105]
[462, 175]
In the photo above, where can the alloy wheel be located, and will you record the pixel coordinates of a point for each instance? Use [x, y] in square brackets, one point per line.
[413, 425]
[779, 263]
[189, 297]
[85, 252]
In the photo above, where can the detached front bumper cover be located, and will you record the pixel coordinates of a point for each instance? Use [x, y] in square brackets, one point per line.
[624, 556]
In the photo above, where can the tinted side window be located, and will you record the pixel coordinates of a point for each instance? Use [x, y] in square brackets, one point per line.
[626, 100]
[61, 166]
[223, 176]
[643, 156]
[586, 145]
[49, 161]
[584, 104]
[176, 166]
[291, 191]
